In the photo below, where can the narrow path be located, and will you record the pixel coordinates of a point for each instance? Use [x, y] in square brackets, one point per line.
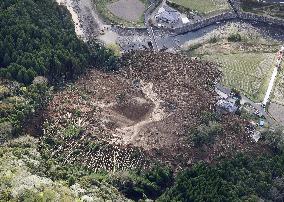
[270, 86]
[273, 78]
[75, 17]
[235, 4]
[88, 24]
[147, 16]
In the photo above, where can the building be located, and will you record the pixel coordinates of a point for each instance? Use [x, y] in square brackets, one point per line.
[169, 17]
[227, 106]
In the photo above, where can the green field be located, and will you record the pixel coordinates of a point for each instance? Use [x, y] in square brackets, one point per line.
[247, 72]
[263, 8]
[203, 6]
[278, 92]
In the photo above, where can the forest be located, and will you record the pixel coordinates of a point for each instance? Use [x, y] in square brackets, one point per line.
[37, 38]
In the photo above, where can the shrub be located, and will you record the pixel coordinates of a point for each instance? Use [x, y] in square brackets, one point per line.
[71, 180]
[235, 37]
[6, 130]
[4, 91]
[72, 131]
[205, 134]
[275, 139]
[138, 185]
[213, 40]
[206, 117]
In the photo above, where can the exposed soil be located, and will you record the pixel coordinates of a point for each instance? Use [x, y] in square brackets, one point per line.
[134, 109]
[34, 124]
[277, 111]
[143, 113]
[130, 10]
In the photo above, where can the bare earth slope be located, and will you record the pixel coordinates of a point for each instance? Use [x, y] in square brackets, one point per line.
[143, 112]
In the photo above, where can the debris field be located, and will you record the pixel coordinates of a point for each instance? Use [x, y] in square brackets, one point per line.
[141, 113]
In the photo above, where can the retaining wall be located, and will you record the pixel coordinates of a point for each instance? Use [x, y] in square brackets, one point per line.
[205, 22]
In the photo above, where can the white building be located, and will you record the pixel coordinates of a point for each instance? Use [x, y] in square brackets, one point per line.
[169, 17]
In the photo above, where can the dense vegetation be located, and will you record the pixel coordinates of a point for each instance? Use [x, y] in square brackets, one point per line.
[274, 9]
[38, 38]
[18, 102]
[242, 178]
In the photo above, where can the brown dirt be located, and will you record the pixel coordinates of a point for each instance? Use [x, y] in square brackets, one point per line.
[276, 111]
[144, 111]
[33, 125]
[130, 10]
[133, 110]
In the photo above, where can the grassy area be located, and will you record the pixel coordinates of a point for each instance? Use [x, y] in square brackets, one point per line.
[106, 14]
[278, 93]
[203, 6]
[247, 72]
[263, 8]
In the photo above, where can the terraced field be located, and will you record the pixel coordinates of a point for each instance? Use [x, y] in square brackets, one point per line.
[203, 6]
[247, 72]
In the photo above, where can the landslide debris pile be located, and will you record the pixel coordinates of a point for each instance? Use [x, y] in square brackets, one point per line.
[179, 88]
[149, 110]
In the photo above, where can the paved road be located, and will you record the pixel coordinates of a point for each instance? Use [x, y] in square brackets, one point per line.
[147, 16]
[270, 86]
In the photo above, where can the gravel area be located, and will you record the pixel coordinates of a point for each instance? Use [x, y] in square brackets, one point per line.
[277, 111]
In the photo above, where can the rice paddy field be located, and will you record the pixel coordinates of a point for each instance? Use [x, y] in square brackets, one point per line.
[203, 6]
[248, 72]
[122, 12]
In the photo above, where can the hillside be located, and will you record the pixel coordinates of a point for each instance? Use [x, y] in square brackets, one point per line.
[83, 122]
[148, 111]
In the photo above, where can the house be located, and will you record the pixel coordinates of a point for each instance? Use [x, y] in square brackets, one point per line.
[169, 17]
[256, 136]
[221, 94]
[184, 19]
[227, 106]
